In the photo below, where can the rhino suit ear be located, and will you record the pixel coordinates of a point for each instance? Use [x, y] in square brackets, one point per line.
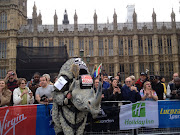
[75, 70]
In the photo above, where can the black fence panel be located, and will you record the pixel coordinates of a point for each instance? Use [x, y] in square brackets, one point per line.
[40, 59]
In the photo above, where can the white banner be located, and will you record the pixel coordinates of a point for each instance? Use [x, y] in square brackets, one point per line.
[140, 114]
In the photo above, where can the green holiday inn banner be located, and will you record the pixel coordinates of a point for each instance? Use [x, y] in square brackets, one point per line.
[139, 114]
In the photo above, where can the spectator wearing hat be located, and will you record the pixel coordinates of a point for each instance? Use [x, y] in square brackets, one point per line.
[141, 81]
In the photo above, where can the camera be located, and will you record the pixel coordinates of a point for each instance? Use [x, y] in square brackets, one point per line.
[12, 73]
[43, 98]
[178, 92]
[151, 77]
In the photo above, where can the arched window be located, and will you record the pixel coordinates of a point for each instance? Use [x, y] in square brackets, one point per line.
[110, 44]
[3, 21]
[101, 47]
[3, 49]
[71, 48]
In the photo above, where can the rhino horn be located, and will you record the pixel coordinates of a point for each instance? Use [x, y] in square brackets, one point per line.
[97, 99]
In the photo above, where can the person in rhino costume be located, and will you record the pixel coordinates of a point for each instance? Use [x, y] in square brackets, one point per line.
[72, 103]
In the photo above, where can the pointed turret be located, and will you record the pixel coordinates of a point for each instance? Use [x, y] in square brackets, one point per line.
[95, 20]
[153, 16]
[75, 21]
[173, 16]
[34, 7]
[173, 20]
[55, 18]
[154, 21]
[40, 18]
[34, 14]
[115, 20]
[134, 17]
[65, 21]
[134, 20]
[35, 19]
[55, 22]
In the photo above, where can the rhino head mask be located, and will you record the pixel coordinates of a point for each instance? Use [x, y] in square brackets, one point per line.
[84, 98]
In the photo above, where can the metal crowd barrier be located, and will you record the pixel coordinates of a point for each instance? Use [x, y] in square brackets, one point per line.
[158, 131]
[139, 131]
[117, 132]
[105, 129]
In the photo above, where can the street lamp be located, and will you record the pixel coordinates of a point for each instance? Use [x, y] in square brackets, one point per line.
[81, 53]
[88, 59]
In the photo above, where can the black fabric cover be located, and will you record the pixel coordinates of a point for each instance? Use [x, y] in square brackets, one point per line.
[40, 59]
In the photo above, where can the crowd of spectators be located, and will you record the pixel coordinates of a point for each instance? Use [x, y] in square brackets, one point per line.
[17, 91]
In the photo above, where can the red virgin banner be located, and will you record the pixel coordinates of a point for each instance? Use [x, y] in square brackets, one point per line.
[18, 120]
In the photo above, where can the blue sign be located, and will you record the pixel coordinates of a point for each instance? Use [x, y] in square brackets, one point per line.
[169, 114]
[44, 124]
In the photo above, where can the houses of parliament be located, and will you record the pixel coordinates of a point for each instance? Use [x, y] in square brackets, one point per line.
[128, 48]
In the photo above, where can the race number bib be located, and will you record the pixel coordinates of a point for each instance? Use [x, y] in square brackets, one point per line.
[86, 80]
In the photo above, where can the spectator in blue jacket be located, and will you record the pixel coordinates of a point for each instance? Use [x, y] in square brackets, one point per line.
[106, 84]
[130, 92]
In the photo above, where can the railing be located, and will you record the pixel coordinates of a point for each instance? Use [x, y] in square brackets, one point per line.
[36, 119]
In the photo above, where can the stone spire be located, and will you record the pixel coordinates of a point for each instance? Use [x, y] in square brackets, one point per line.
[34, 7]
[34, 14]
[35, 19]
[40, 18]
[173, 20]
[115, 20]
[55, 22]
[154, 20]
[65, 21]
[134, 20]
[173, 16]
[75, 21]
[153, 16]
[55, 19]
[95, 20]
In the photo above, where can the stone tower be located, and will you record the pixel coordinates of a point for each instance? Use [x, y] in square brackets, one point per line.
[14, 14]
[65, 21]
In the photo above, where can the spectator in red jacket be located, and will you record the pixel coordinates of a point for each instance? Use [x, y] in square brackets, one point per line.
[11, 79]
[141, 81]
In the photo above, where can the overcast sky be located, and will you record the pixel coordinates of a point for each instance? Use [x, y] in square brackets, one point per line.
[104, 9]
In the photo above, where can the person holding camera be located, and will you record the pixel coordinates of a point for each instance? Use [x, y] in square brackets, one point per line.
[113, 93]
[43, 93]
[22, 95]
[170, 85]
[11, 80]
[175, 93]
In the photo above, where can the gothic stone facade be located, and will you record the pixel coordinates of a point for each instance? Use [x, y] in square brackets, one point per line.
[129, 48]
